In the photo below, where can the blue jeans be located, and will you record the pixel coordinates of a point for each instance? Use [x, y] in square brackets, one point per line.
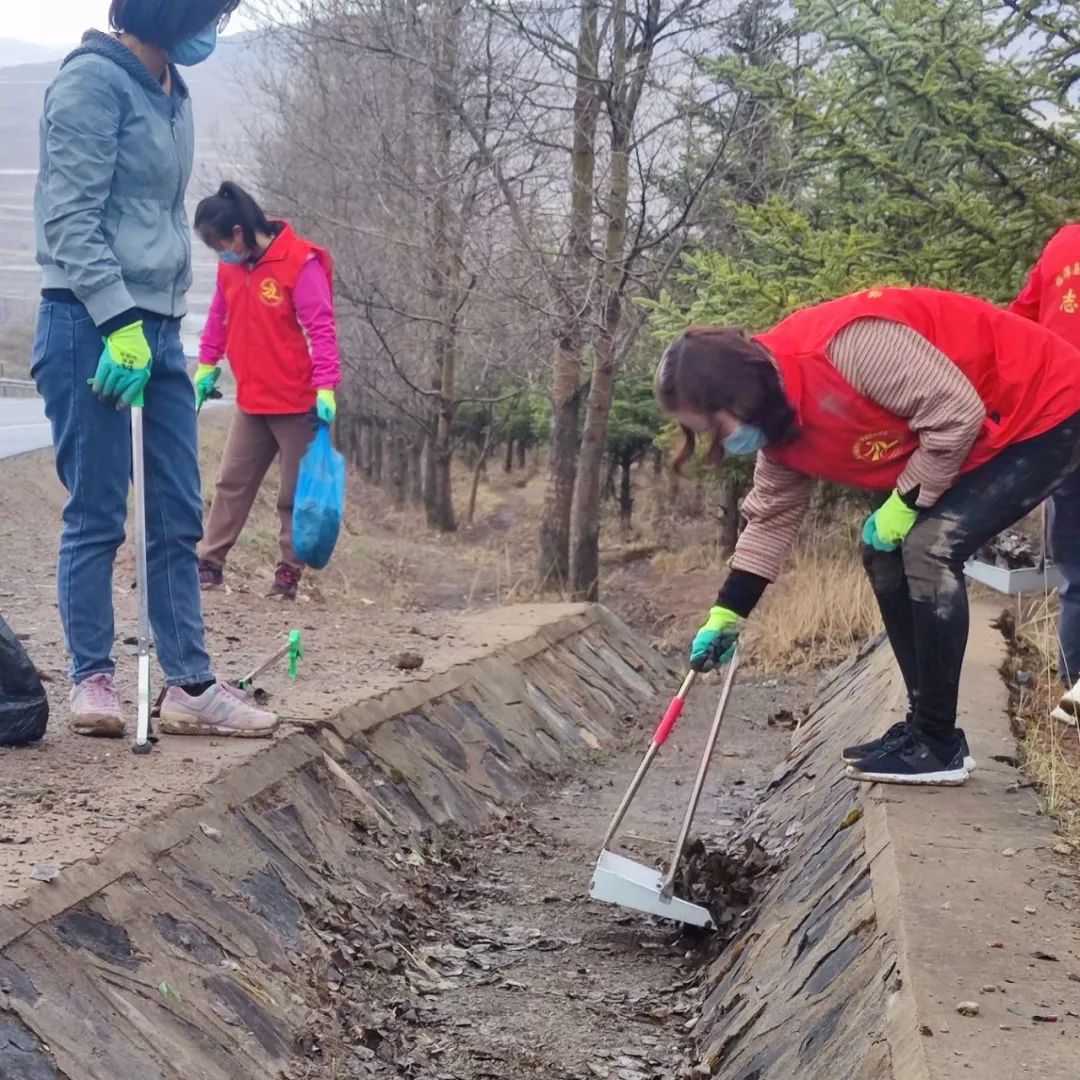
[92, 442]
[1065, 551]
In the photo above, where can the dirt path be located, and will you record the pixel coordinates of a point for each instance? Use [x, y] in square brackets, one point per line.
[64, 799]
[528, 977]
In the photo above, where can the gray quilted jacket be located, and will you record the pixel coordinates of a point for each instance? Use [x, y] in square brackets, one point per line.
[116, 157]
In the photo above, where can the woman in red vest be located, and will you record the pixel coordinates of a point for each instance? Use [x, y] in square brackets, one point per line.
[1051, 297]
[965, 415]
[273, 317]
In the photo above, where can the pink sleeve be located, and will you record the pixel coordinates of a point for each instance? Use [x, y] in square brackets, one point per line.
[315, 310]
[212, 343]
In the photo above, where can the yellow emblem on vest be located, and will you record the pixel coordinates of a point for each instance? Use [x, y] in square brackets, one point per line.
[877, 447]
[270, 293]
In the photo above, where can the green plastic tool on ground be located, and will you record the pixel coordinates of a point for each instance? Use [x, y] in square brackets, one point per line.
[293, 649]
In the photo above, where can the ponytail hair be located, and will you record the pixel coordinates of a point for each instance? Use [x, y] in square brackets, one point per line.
[230, 207]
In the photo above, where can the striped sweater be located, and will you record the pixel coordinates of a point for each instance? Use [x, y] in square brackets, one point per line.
[900, 370]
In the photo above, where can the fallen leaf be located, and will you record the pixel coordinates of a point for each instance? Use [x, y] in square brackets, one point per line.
[849, 819]
[589, 739]
[169, 993]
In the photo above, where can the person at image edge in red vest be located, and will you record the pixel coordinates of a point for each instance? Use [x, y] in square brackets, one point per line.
[273, 317]
[964, 414]
[1051, 297]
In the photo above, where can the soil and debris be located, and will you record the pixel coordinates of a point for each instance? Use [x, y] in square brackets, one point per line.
[494, 963]
[1011, 551]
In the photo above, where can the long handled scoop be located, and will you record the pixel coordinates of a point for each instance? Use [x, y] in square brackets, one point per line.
[619, 880]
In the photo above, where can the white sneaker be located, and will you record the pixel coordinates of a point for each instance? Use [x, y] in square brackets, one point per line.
[95, 708]
[222, 710]
[1068, 708]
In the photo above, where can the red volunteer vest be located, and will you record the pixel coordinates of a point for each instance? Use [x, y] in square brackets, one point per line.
[1052, 293]
[265, 343]
[1027, 377]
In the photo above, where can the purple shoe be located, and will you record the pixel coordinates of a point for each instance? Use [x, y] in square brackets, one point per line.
[211, 576]
[95, 708]
[286, 581]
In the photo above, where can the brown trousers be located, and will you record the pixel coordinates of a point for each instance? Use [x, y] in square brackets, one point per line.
[253, 443]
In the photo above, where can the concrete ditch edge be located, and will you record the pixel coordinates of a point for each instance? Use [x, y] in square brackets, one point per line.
[187, 950]
[896, 904]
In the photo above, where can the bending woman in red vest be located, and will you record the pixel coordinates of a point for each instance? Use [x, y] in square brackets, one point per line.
[273, 317]
[964, 414]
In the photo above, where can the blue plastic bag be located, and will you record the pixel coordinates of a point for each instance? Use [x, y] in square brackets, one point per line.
[320, 501]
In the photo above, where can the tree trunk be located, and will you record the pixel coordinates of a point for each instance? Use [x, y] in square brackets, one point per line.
[521, 453]
[508, 464]
[730, 494]
[479, 470]
[365, 448]
[416, 471]
[609, 480]
[377, 452]
[626, 498]
[553, 568]
[399, 470]
[622, 100]
[445, 262]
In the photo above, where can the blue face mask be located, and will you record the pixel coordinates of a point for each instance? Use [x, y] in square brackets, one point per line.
[195, 49]
[232, 258]
[745, 439]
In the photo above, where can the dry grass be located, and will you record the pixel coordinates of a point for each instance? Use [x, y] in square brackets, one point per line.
[1051, 750]
[817, 614]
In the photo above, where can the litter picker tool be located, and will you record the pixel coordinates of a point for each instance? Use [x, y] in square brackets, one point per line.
[619, 880]
[142, 743]
[293, 649]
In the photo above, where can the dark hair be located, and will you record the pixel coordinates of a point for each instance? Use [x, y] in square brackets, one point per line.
[165, 23]
[232, 206]
[709, 368]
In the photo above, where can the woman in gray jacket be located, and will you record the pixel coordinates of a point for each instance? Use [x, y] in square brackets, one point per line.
[114, 244]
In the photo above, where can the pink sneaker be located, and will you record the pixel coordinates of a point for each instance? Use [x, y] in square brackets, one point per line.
[95, 708]
[222, 710]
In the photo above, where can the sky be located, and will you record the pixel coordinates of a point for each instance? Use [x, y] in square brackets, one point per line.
[61, 22]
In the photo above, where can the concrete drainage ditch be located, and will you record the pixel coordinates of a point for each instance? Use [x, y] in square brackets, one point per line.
[303, 914]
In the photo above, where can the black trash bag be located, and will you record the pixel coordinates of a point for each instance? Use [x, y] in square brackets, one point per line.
[24, 708]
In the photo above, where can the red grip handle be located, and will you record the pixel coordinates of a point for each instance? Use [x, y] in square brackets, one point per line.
[674, 711]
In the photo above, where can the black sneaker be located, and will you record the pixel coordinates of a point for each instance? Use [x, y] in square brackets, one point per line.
[852, 754]
[913, 758]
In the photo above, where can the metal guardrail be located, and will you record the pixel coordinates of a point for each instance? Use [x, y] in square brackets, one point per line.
[17, 387]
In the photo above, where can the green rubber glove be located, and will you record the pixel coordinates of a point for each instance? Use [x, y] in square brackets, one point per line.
[206, 380]
[124, 368]
[889, 524]
[326, 405]
[715, 642]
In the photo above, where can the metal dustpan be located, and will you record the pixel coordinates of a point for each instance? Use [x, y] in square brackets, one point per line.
[619, 880]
